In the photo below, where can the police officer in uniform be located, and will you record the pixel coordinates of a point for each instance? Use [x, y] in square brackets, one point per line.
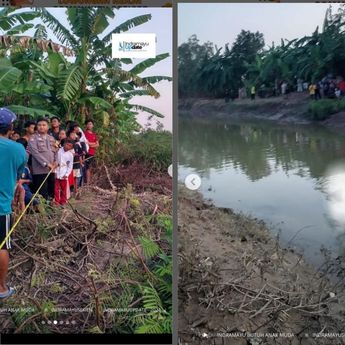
[43, 151]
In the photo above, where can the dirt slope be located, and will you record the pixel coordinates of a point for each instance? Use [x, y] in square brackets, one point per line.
[235, 278]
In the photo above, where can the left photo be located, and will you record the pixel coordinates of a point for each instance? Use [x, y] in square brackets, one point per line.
[85, 150]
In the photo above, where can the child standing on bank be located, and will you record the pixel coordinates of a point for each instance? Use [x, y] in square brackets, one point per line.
[65, 166]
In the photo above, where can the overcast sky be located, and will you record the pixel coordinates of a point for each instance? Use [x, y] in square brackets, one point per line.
[161, 24]
[221, 23]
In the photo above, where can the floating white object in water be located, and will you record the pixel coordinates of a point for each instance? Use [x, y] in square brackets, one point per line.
[336, 192]
[331, 294]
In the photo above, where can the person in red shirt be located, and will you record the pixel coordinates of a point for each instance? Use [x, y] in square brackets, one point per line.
[341, 87]
[93, 143]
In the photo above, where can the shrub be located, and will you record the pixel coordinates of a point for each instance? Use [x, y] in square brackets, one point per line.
[324, 108]
[152, 148]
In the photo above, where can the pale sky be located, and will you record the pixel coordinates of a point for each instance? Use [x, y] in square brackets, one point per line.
[161, 24]
[221, 23]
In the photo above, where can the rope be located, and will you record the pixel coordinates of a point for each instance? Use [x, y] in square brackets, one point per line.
[30, 202]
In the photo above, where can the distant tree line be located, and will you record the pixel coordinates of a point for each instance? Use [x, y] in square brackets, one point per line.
[208, 71]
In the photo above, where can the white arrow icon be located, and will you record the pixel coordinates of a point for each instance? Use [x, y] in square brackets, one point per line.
[192, 181]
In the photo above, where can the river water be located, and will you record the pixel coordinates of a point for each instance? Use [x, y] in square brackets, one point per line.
[277, 173]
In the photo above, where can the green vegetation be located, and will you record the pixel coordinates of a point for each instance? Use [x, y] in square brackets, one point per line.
[322, 109]
[152, 148]
[76, 78]
[154, 292]
[110, 248]
[208, 71]
[124, 273]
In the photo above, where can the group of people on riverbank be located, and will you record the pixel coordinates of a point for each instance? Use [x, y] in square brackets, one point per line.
[47, 159]
[327, 87]
[59, 159]
[282, 88]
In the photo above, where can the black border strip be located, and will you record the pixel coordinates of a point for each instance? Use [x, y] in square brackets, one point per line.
[86, 339]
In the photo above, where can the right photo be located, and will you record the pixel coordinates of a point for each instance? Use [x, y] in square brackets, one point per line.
[261, 171]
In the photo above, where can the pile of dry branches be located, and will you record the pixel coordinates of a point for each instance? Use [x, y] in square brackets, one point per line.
[236, 279]
[70, 263]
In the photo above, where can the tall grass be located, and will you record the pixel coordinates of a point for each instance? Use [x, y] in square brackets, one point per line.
[322, 109]
[152, 148]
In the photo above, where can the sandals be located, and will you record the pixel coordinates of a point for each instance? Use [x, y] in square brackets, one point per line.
[7, 294]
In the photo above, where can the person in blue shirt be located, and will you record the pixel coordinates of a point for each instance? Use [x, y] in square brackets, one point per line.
[12, 162]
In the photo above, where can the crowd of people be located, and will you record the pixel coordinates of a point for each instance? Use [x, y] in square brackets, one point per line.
[327, 87]
[59, 159]
[49, 159]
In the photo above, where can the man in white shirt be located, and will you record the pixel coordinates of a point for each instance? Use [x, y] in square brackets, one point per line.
[65, 166]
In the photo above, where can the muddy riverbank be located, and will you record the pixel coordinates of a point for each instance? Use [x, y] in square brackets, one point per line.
[292, 109]
[238, 286]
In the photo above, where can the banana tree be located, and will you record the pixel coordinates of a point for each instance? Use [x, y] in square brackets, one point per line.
[24, 96]
[16, 22]
[77, 76]
[94, 73]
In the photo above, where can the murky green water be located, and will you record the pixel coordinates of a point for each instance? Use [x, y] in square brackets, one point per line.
[273, 172]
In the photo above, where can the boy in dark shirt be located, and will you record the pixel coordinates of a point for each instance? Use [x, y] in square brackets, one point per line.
[55, 127]
[25, 179]
[82, 150]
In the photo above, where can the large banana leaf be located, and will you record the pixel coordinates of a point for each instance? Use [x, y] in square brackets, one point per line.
[55, 60]
[44, 68]
[101, 22]
[8, 20]
[26, 42]
[156, 79]
[126, 61]
[19, 29]
[121, 75]
[145, 109]
[131, 23]
[41, 32]
[147, 87]
[69, 83]
[8, 77]
[32, 88]
[5, 62]
[133, 93]
[142, 66]
[97, 101]
[61, 32]
[81, 20]
[21, 110]
[125, 87]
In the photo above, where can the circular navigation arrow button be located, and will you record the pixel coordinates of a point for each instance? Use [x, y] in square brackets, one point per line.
[192, 181]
